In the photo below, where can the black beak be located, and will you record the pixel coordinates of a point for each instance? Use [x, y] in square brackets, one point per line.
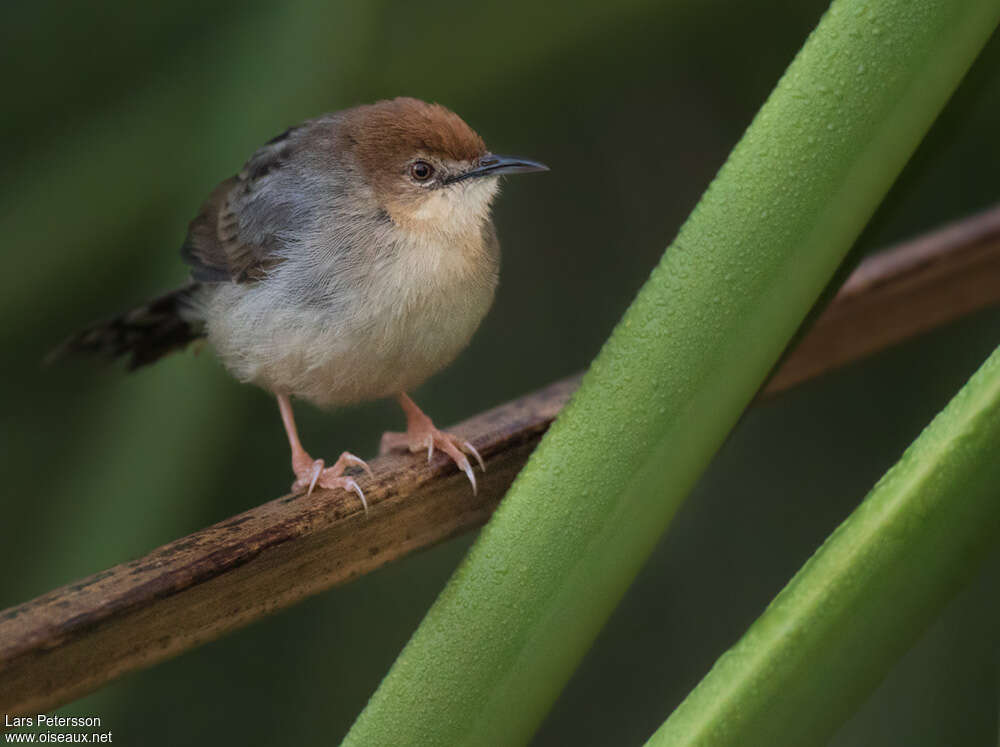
[491, 165]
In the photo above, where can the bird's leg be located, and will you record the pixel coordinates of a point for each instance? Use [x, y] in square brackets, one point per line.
[310, 472]
[421, 434]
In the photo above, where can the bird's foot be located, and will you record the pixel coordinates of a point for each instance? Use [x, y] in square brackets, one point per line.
[310, 473]
[422, 435]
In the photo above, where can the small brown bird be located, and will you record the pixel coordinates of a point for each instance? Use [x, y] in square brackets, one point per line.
[351, 258]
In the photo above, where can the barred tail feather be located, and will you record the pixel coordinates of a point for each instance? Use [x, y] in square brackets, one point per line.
[145, 333]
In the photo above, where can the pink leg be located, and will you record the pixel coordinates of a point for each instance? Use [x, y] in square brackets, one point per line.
[421, 434]
[310, 472]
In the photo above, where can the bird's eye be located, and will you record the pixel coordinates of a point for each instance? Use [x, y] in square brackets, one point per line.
[421, 171]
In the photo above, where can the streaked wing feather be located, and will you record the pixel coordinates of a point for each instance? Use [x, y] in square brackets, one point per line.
[218, 247]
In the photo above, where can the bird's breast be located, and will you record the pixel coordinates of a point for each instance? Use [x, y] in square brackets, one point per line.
[358, 331]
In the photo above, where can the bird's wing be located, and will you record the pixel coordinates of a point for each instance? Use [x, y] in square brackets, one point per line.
[231, 241]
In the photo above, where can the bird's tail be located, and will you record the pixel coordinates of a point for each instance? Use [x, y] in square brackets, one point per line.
[146, 333]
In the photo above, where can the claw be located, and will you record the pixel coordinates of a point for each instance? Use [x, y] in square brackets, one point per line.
[354, 487]
[469, 448]
[331, 477]
[421, 433]
[358, 462]
[310, 472]
[317, 470]
[467, 469]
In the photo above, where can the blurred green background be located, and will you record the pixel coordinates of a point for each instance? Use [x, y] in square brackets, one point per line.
[118, 118]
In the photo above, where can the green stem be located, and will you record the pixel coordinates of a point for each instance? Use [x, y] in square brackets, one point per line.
[830, 636]
[509, 628]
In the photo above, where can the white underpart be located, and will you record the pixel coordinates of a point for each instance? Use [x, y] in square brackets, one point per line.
[460, 207]
[354, 314]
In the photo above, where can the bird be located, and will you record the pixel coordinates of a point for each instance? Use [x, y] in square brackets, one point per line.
[352, 257]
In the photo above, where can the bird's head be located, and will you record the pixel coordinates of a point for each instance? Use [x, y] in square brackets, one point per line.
[427, 168]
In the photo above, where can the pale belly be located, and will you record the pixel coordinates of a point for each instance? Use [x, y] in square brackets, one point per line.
[333, 357]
